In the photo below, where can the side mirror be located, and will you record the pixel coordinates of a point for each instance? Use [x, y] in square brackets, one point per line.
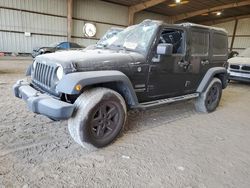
[165, 49]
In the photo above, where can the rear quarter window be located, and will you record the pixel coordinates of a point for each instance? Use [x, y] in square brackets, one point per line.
[64, 45]
[219, 44]
[74, 45]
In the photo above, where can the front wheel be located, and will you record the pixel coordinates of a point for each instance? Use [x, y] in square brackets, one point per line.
[210, 98]
[99, 117]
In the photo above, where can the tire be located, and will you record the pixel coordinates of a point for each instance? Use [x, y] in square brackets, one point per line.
[210, 98]
[99, 117]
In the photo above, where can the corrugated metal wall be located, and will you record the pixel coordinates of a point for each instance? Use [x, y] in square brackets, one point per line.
[46, 20]
[47, 26]
[104, 15]
[57, 7]
[242, 36]
[101, 11]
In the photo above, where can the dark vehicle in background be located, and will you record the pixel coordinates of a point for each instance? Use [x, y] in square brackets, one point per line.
[143, 66]
[55, 47]
[239, 66]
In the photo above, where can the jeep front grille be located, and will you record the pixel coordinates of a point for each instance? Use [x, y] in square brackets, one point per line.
[43, 75]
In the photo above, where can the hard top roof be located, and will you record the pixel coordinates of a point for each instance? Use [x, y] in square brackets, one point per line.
[187, 24]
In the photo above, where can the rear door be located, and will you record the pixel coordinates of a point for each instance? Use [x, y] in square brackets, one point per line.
[199, 53]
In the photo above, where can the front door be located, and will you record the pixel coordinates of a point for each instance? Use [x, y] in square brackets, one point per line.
[171, 75]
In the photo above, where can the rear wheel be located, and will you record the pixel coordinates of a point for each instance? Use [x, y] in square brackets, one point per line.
[210, 98]
[99, 117]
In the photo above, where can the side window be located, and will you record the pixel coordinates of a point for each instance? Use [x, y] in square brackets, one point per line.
[219, 44]
[199, 43]
[63, 45]
[74, 45]
[175, 37]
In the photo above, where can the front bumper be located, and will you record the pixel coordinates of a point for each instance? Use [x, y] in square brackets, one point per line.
[238, 76]
[41, 103]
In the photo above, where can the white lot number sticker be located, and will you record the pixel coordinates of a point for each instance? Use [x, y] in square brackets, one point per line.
[111, 40]
[130, 45]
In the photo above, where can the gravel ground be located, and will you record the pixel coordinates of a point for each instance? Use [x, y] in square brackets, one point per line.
[170, 146]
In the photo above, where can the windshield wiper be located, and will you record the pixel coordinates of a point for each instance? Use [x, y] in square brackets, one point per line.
[122, 47]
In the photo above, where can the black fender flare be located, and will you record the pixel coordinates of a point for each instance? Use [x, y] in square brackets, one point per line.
[68, 82]
[220, 72]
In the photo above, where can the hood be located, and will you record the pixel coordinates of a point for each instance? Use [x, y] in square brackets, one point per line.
[36, 49]
[93, 59]
[239, 60]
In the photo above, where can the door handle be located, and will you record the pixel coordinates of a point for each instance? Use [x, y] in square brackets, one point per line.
[204, 62]
[183, 63]
[153, 69]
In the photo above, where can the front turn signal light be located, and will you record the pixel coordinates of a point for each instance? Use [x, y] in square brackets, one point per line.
[78, 87]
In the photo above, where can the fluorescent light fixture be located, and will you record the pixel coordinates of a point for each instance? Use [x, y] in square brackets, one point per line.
[218, 13]
[178, 2]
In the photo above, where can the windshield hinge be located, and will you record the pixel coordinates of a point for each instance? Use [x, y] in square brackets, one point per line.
[73, 66]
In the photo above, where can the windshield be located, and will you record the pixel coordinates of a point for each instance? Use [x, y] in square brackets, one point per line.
[109, 34]
[134, 38]
[245, 53]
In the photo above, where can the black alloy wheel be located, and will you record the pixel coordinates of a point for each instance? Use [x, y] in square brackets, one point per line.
[105, 119]
[213, 96]
[99, 117]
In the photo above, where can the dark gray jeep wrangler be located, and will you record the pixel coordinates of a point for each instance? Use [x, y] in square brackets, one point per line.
[145, 65]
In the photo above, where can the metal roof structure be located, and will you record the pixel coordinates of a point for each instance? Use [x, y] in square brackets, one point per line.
[196, 11]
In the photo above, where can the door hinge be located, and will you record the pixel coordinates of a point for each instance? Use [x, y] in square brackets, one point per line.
[187, 84]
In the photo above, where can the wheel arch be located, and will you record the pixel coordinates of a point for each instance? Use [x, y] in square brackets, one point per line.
[121, 88]
[115, 80]
[218, 72]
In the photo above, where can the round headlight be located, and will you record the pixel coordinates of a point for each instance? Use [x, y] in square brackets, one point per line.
[34, 65]
[59, 72]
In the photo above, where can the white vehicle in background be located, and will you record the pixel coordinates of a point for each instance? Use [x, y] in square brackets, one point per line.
[239, 67]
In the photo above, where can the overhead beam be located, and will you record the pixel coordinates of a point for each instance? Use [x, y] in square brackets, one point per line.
[213, 9]
[69, 19]
[223, 20]
[145, 5]
[139, 7]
